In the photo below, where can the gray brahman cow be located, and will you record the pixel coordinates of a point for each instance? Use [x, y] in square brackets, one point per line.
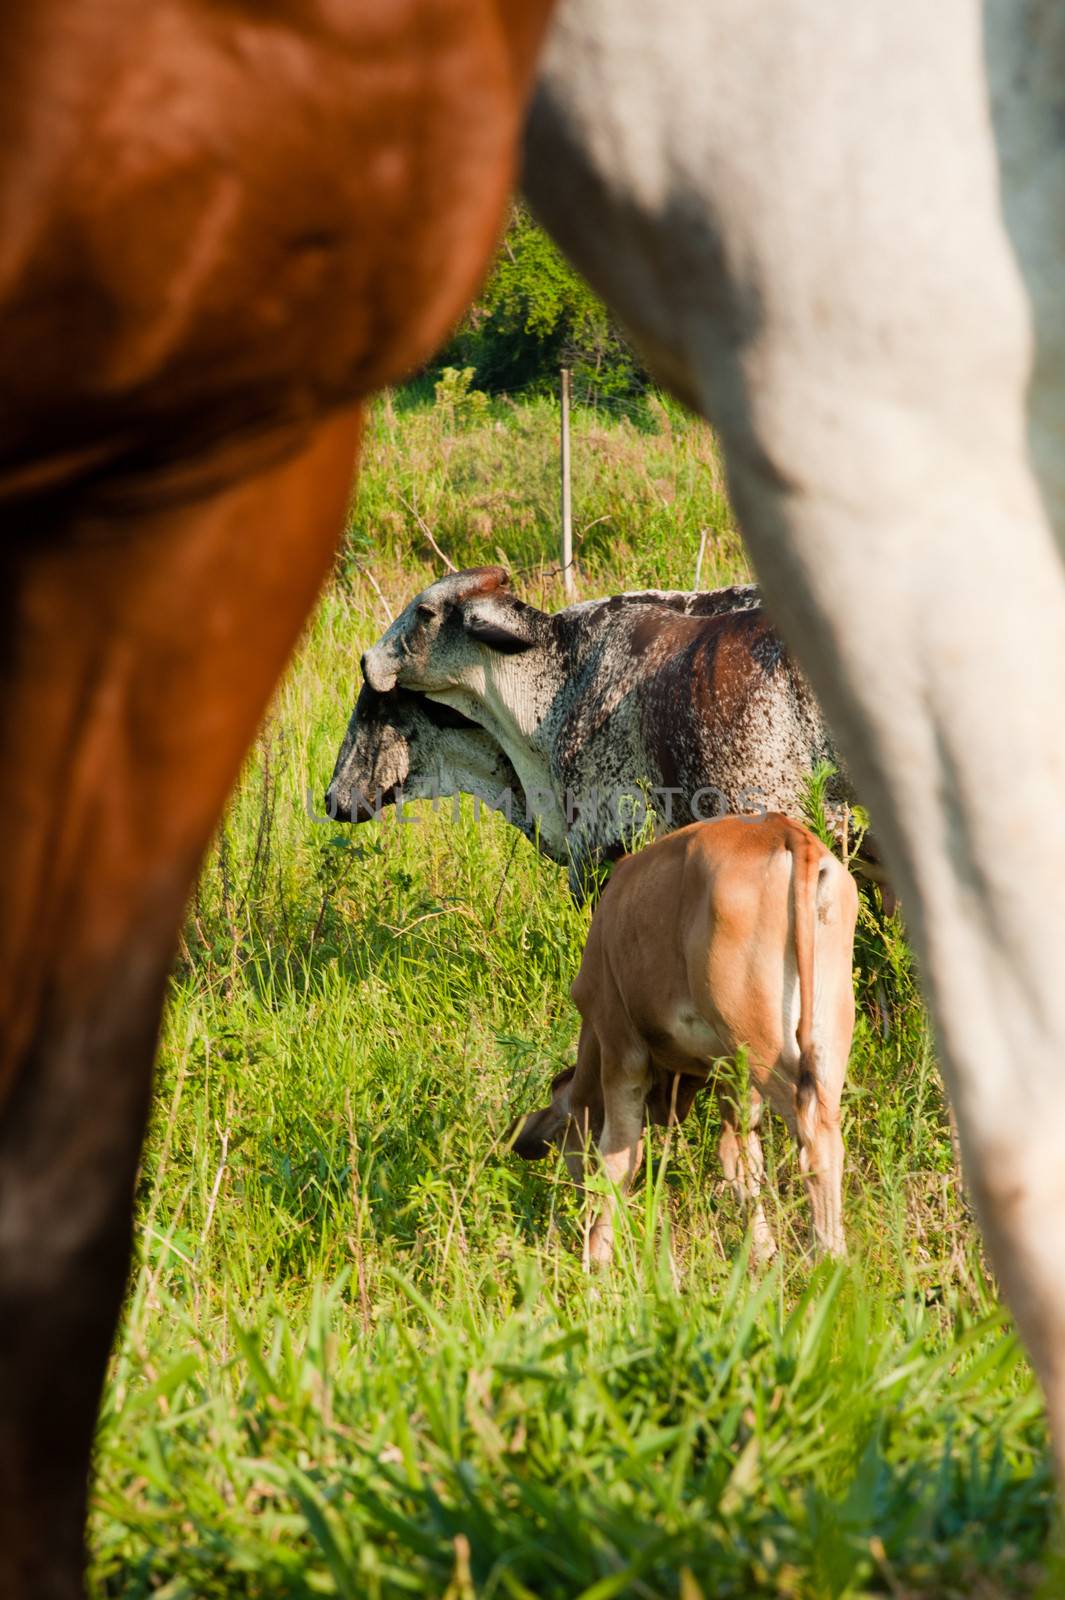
[401, 746]
[691, 700]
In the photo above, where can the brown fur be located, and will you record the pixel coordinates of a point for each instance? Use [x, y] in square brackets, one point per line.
[702, 943]
[223, 225]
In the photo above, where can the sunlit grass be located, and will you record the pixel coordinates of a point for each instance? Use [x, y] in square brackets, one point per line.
[360, 1356]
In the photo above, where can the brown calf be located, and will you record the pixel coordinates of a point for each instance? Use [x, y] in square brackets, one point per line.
[731, 933]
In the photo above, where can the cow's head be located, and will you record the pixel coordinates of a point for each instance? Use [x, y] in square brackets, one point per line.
[566, 1123]
[442, 639]
[404, 742]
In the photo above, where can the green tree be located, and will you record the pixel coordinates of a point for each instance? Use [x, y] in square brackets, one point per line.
[537, 314]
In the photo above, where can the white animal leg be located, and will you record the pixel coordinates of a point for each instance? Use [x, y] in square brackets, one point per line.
[951, 725]
[889, 384]
[953, 733]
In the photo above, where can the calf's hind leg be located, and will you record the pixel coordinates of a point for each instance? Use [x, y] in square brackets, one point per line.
[820, 1144]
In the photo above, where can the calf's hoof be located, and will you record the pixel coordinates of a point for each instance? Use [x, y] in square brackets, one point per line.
[599, 1249]
[763, 1249]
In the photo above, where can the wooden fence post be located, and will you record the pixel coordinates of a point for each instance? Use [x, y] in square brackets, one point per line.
[699, 558]
[568, 585]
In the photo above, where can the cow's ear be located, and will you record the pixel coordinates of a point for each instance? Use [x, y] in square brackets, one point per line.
[499, 627]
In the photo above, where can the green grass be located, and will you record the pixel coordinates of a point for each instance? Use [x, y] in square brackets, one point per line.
[360, 1357]
[489, 492]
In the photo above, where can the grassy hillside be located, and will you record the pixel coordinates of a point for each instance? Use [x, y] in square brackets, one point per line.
[360, 1358]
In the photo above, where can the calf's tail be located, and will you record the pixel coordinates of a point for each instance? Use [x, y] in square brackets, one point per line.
[806, 871]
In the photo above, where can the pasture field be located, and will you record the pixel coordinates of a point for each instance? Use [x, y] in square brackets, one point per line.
[360, 1357]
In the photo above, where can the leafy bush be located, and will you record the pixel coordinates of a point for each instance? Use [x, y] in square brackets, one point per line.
[455, 397]
[537, 314]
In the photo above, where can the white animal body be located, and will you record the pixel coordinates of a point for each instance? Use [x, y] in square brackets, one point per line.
[838, 232]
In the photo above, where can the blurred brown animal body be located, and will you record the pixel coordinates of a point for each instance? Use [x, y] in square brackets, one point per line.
[222, 225]
[737, 932]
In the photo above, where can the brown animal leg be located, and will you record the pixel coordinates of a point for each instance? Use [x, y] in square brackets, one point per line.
[743, 1161]
[586, 1102]
[621, 1146]
[821, 1162]
[138, 654]
[820, 1144]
